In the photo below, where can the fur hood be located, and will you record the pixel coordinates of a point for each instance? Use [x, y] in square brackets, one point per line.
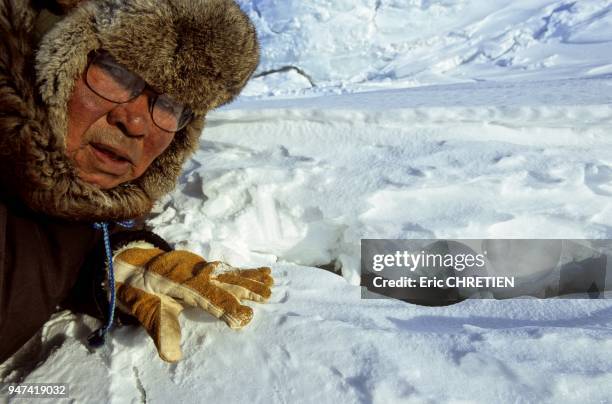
[201, 52]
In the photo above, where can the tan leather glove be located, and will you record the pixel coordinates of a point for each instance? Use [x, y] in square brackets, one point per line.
[154, 286]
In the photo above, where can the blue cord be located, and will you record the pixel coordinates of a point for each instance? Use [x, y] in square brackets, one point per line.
[126, 223]
[97, 338]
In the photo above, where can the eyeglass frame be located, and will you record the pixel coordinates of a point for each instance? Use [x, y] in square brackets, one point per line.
[92, 56]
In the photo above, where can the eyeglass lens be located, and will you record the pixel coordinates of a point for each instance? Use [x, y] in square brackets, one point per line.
[115, 83]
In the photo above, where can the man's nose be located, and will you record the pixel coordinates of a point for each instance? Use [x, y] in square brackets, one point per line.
[131, 117]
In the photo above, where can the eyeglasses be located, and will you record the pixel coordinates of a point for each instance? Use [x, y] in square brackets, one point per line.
[113, 82]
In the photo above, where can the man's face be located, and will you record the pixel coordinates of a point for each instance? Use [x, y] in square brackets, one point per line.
[110, 143]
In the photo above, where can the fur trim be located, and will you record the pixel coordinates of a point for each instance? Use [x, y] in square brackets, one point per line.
[201, 52]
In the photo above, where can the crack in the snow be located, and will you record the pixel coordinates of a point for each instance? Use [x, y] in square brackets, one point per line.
[377, 7]
[139, 386]
[286, 69]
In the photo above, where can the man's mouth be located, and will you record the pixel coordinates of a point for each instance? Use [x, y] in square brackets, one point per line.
[111, 153]
[110, 160]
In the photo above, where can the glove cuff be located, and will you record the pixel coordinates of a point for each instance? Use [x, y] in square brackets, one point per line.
[119, 242]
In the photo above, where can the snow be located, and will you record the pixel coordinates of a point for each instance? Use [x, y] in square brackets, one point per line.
[428, 119]
[303, 180]
[317, 341]
[344, 45]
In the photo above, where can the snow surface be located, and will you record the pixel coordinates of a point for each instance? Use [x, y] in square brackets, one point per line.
[429, 119]
[343, 45]
[316, 341]
[304, 180]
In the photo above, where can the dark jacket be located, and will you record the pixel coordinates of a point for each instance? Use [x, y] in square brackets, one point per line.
[48, 264]
[40, 258]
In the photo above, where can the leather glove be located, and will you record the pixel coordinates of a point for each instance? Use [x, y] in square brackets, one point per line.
[154, 286]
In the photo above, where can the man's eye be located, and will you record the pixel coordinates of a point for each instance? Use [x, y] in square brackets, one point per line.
[165, 105]
[120, 75]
